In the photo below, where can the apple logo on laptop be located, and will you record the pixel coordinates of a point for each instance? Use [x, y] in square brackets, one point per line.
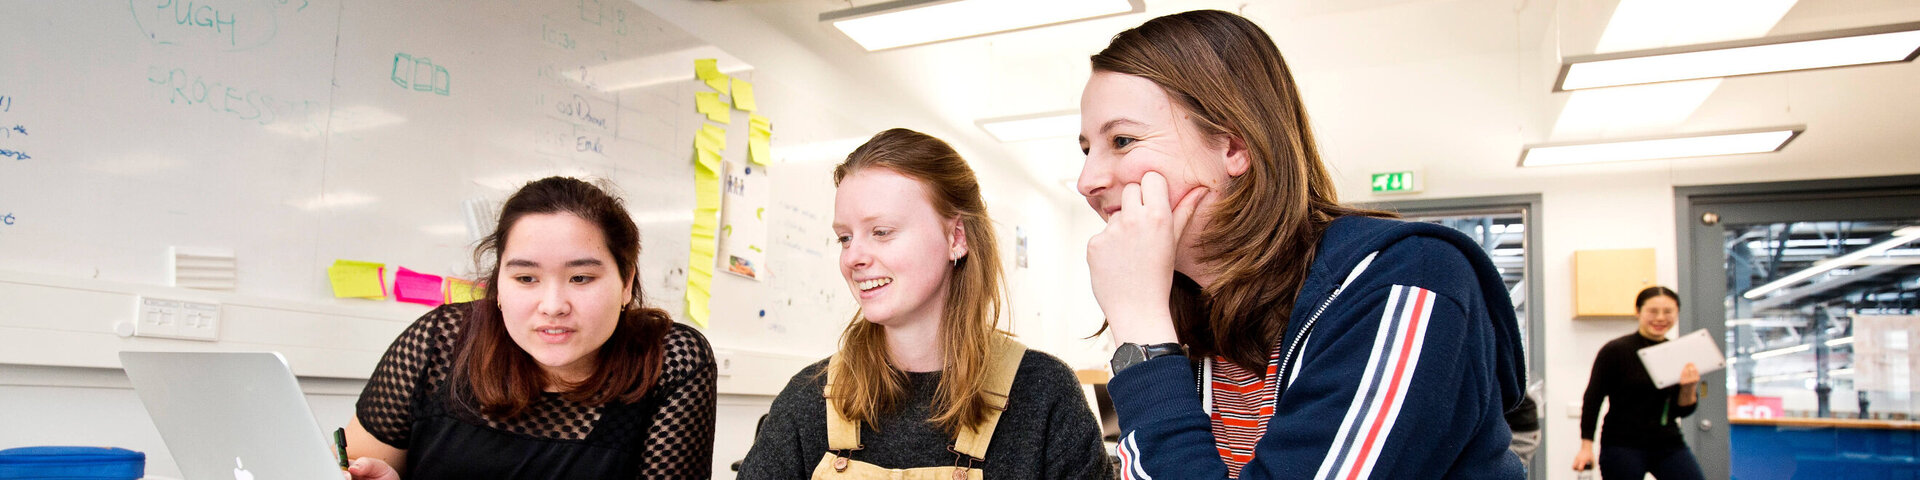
[240, 471]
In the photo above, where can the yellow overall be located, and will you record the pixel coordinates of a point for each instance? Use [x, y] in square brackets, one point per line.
[970, 449]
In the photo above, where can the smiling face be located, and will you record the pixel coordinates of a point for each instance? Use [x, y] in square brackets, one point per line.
[560, 292]
[1130, 126]
[895, 248]
[1658, 315]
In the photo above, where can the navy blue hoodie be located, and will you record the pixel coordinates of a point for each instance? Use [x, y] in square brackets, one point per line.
[1400, 359]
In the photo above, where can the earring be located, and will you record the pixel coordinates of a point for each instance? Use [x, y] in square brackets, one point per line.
[956, 262]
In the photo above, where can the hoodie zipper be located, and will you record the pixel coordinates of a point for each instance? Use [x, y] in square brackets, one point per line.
[1293, 348]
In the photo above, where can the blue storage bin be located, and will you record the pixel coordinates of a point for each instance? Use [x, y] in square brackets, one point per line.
[72, 463]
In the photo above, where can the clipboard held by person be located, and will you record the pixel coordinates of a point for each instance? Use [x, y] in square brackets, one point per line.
[1665, 360]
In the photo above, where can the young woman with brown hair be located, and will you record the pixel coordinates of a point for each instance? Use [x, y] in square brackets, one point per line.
[560, 370]
[924, 382]
[1270, 331]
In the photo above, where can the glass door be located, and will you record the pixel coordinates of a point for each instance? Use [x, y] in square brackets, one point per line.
[1814, 296]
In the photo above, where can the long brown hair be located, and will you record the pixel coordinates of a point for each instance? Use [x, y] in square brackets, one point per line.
[502, 377]
[1229, 76]
[866, 384]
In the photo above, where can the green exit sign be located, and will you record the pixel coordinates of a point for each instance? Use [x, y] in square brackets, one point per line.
[1396, 182]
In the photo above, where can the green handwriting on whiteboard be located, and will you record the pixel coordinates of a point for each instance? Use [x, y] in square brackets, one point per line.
[235, 100]
[420, 74]
[228, 26]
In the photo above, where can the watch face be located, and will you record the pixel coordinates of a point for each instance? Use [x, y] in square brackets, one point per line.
[1127, 355]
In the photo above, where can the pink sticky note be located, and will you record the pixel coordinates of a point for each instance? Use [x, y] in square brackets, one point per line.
[415, 287]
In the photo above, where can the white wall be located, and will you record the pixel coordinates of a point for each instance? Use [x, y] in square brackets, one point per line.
[1619, 206]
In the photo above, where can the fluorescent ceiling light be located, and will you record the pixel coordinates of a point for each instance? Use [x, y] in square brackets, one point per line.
[1691, 145]
[1839, 48]
[1781, 351]
[1032, 127]
[901, 23]
[1902, 236]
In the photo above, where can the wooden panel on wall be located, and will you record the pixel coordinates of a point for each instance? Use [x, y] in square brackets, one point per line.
[1606, 281]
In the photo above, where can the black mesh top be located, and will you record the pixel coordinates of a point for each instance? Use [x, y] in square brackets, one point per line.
[667, 434]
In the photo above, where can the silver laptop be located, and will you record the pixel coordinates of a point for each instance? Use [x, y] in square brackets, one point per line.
[232, 415]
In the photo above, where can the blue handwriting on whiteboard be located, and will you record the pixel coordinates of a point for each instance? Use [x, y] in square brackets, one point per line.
[6, 103]
[16, 154]
[9, 131]
[578, 108]
[585, 143]
[238, 101]
[420, 74]
[8, 219]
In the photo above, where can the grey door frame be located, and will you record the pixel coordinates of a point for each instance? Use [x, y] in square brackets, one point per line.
[1703, 267]
[1536, 323]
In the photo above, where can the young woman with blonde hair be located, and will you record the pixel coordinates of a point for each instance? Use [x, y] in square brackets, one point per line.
[924, 383]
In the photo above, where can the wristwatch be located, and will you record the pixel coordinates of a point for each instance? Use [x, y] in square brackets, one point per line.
[1130, 354]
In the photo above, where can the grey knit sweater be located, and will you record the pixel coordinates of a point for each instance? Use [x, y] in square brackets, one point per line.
[1046, 432]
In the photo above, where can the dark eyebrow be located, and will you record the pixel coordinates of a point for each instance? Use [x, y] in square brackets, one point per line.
[1108, 127]
[584, 262]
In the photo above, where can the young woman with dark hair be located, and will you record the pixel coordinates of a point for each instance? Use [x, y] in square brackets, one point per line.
[559, 370]
[1269, 330]
[1642, 422]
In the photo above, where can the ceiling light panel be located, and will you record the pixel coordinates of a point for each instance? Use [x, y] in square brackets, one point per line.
[1865, 46]
[902, 23]
[1699, 145]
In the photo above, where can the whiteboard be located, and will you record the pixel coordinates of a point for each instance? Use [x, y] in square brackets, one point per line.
[297, 132]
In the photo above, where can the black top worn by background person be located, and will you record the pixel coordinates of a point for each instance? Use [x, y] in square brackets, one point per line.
[1047, 431]
[1638, 415]
[667, 435]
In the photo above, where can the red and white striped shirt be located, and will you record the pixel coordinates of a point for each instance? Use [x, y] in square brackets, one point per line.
[1240, 402]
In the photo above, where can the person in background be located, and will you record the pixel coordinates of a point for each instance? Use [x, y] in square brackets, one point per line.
[560, 370]
[1270, 331]
[924, 383]
[1643, 422]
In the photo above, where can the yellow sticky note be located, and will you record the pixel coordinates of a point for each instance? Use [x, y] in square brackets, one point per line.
[709, 162]
[353, 279]
[461, 291]
[759, 150]
[708, 70]
[742, 95]
[710, 138]
[701, 268]
[705, 225]
[759, 123]
[697, 310]
[709, 103]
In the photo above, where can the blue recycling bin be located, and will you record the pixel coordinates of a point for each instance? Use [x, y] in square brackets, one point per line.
[72, 463]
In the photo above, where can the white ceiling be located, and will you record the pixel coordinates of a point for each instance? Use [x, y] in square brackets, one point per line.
[1436, 84]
